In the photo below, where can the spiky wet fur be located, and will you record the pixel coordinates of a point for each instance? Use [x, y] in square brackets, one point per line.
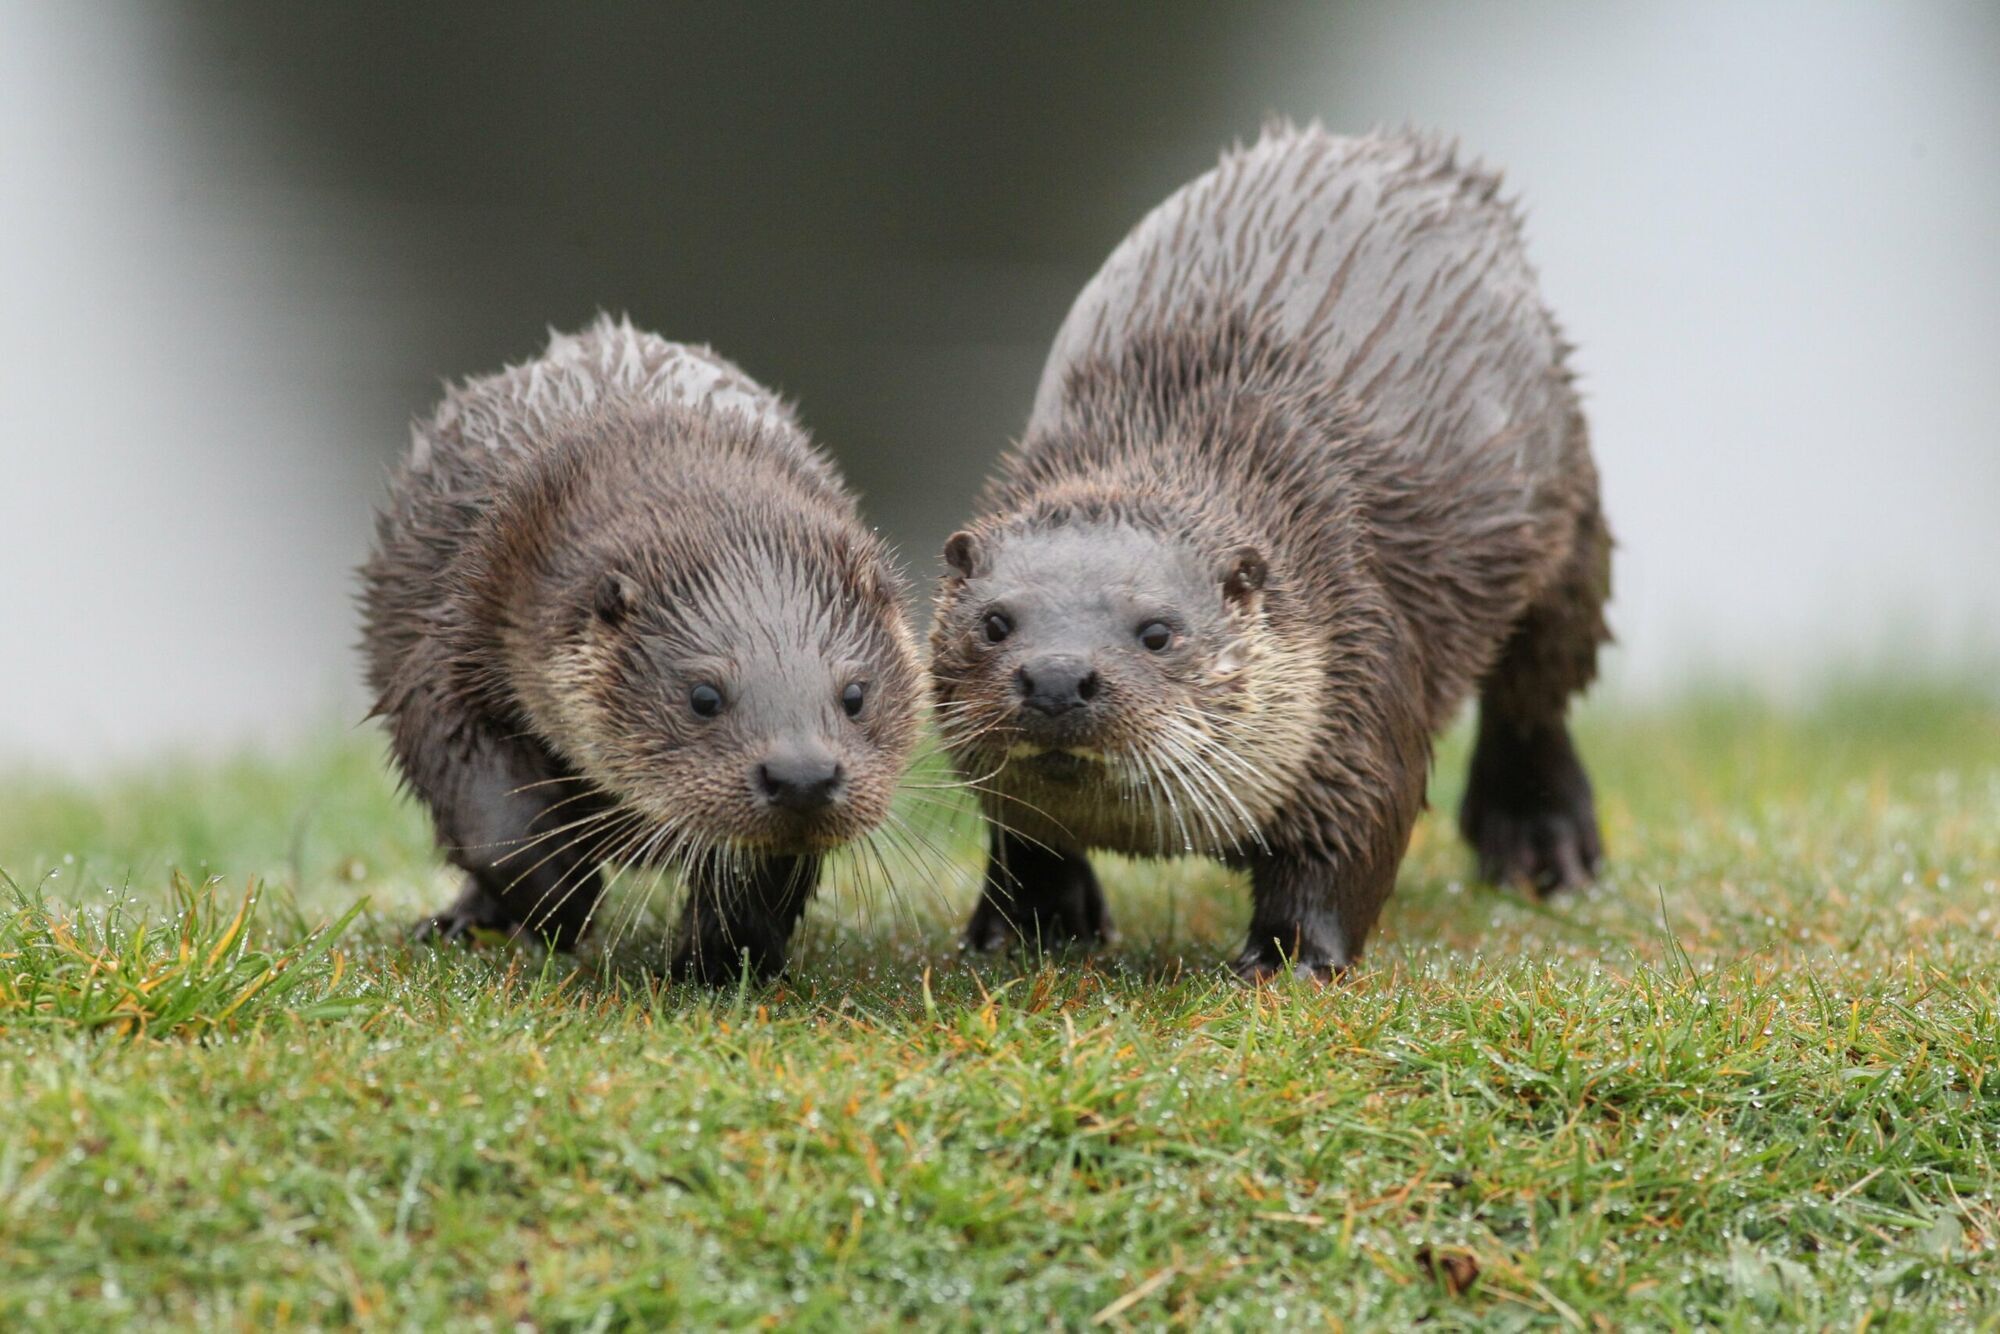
[1430, 525]
[549, 734]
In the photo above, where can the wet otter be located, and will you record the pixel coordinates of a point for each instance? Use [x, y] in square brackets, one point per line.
[621, 609]
[1304, 469]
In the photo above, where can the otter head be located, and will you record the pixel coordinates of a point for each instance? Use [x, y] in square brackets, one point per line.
[1114, 656]
[759, 694]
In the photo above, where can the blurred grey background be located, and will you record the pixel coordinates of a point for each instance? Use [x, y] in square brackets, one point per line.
[243, 243]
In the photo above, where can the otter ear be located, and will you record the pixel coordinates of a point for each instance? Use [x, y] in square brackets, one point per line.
[963, 552]
[1242, 573]
[616, 597]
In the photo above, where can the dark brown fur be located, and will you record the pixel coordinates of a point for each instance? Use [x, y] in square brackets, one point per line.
[573, 547]
[1312, 419]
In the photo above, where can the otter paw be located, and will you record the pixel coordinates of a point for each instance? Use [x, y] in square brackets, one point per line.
[1257, 967]
[1528, 811]
[721, 968]
[1544, 850]
[453, 927]
[472, 913]
[1074, 919]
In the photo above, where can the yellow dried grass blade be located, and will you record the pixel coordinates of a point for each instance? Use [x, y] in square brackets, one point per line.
[247, 993]
[235, 926]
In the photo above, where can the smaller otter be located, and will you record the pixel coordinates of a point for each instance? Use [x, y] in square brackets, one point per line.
[621, 609]
[1304, 470]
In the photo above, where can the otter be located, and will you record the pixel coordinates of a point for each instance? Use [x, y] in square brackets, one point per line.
[622, 610]
[1304, 470]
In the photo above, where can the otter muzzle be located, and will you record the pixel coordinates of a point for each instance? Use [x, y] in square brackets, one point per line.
[801, 781]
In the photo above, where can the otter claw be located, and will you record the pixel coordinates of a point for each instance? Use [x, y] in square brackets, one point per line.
[1050, 927]
[443, 929]
[457, 926]
[1254, 968]
[1548, 852]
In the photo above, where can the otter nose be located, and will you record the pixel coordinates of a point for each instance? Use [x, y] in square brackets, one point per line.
[1055, 685]
[800, 780]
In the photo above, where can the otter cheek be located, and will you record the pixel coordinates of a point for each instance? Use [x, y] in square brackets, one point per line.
[866, 805]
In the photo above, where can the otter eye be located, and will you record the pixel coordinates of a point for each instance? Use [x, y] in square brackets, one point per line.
[852, 698]
[998, 627]
[1156, 635]
[705, 700]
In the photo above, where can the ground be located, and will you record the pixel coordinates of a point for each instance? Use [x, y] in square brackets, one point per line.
[1750, 1078]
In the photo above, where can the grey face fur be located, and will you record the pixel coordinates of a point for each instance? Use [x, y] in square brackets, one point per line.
[1080, 628]
[751, 705]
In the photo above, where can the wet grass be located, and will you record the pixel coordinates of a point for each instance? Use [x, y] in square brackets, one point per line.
[1750, 1079]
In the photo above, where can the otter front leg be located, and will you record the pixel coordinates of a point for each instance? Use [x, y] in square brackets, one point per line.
[744, 914]
[529, 842]
[1037, 895]
[1311, 915]
[1296, 924]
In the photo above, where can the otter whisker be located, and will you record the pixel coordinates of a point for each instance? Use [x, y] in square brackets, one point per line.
[1212, 744]
[545, 782]
[1000, 822]
[1189, 778]
[930, 817]
[1171, 793]
[619, 862]
[871, 848]
[528, 844]
[1201, 807]
[577, 873]
[982, 784]
[1132, 777]
[525, 840]
[1205, 786]
[932, 858]
[1201, 757]
[584, 829]
[1168, 782]
[648, 843]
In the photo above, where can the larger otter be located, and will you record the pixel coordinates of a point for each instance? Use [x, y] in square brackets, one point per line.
[1304, 470]
[621, 609]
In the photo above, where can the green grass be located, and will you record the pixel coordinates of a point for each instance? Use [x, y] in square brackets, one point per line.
[1752, 1078]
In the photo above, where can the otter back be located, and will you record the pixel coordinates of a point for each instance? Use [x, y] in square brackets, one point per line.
[1391, 265]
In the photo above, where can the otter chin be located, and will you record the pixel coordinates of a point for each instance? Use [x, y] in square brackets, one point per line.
[621, 610]
[1304, 472]
[1066, 765]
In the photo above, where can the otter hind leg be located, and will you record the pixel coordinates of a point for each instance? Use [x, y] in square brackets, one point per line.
[741, 915]
[1528, 811]
[1038, 897]
[529, 848]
